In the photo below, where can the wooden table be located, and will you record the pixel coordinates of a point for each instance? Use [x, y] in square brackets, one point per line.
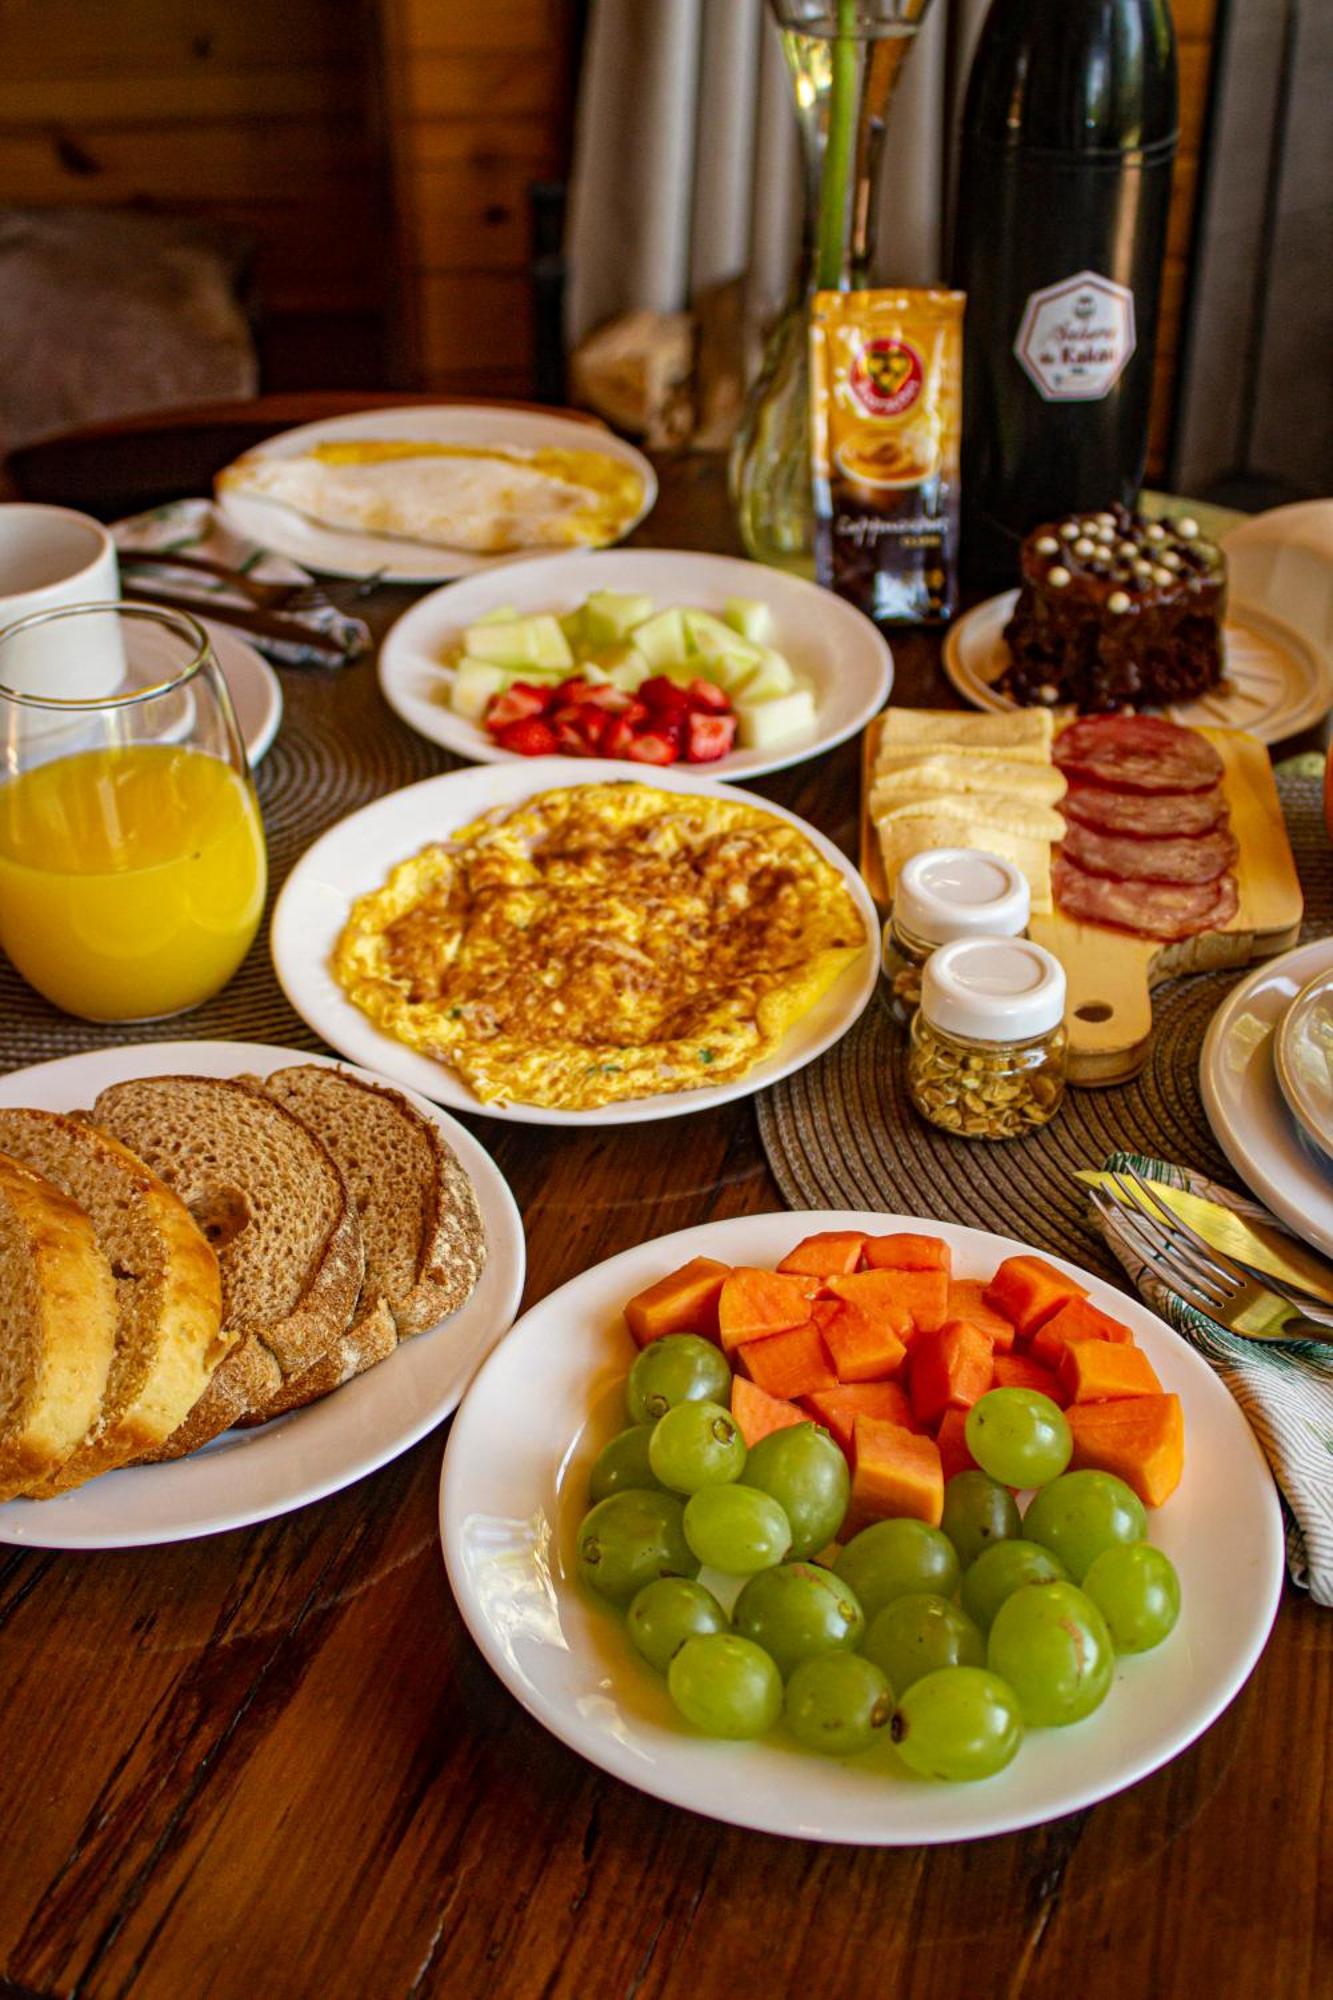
[272, 1764]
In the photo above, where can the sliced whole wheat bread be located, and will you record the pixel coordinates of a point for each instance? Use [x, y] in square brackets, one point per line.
[273, 1204]
[169, 1339]
[57, 1328]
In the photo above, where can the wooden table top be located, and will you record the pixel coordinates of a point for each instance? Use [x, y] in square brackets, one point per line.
[272, 1763]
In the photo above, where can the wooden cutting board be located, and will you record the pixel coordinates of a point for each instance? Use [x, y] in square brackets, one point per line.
[1111, 974]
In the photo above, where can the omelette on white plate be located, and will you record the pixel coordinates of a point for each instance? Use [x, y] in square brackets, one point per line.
[485, 499]
[602, 942]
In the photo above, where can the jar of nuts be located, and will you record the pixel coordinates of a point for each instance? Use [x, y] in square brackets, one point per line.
[942, 894]
[988, 1049]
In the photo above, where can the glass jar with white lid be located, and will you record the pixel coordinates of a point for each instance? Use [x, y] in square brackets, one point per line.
[989, 1051]
[944, 894]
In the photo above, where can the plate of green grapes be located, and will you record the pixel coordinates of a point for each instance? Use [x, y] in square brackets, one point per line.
[860, 1527]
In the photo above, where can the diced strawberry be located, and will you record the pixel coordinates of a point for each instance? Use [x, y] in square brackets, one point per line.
[529, 737]
[618, 738]
[517, 703]
[611, 700]
[708, 695]
[587, 724]
[653, 746]
[708, 737]
[663, 696]
[568, 741]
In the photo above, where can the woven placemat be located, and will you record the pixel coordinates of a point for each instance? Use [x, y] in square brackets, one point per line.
[339, 747]
[843, 1133]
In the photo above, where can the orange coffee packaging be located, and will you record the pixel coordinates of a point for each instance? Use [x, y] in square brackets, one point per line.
[886, 372]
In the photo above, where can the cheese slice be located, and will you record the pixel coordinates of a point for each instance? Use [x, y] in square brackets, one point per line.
[1025, 734]
[954, 771]
[902, 837]
[968, 809]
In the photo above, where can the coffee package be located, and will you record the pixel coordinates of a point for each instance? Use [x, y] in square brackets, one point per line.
[886, 402]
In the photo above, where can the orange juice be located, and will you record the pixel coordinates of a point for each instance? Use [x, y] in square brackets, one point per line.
[131, 879]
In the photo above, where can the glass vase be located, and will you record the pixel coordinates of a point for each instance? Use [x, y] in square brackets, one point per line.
[845, 57]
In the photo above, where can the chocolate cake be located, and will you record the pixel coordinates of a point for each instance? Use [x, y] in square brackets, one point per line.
[1116, 611]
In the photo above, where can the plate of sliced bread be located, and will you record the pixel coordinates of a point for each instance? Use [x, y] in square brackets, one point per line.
[236, 1279]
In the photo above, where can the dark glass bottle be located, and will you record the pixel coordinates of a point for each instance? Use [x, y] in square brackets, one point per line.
[1069, 133]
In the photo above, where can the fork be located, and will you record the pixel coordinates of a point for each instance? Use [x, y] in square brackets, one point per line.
[1205, 1278]
[265, 596]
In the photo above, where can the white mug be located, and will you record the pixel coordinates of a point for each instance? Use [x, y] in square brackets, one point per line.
[51, 557]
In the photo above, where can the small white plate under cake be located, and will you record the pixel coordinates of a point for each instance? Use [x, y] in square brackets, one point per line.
[253, 1475]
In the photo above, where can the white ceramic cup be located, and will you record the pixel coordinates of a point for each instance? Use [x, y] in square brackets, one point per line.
[51, 557]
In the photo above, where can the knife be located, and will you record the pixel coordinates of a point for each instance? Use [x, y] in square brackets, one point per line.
[260, 624]
[1257, 1245]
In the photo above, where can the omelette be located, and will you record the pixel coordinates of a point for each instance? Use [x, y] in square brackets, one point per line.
[486, 499]
[602, 942]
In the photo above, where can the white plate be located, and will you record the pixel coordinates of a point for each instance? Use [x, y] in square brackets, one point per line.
[399, 560]
[828, 641]
[256, 692]
[356, 855]
[1280, 683]
[1282, 561]
[1303, 1060]
[252, 1475]
[509, 1519]
[1246, 1108]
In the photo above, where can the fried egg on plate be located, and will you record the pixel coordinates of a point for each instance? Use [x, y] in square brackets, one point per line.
[486, 499]
[602, 942]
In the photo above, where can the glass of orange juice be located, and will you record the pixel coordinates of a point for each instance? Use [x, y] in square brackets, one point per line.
[132, 861]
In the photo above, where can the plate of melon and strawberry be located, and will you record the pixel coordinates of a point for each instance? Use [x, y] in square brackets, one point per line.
[860, 1527]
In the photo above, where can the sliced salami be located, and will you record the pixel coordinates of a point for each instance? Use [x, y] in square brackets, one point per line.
[1145, 815]
[1137, 753]
[1165, 910]
[1198, 858]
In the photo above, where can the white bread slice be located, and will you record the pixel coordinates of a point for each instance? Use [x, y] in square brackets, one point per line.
[57, 1328]
[169, 1338]
[423, 1234]
[1025, 734]
[270, 1200]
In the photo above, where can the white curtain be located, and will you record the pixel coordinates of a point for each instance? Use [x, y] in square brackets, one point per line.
[686, 164]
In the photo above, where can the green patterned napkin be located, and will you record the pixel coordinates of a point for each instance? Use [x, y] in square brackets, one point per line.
[1285, 1392]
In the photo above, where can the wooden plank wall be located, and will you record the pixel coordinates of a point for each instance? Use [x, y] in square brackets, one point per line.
[1194, 21]
[256, 116]
[479, 103]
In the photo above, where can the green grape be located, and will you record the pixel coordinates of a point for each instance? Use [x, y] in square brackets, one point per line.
[1050, 1642]
[796, 1611]
[696, 1445]
[838, 1704]
[958, 1723]
[1079, 1515]
[679, 1368]
[1137, 1591]
[1000, 1571]
[1019, 1436]
[667, 1613]
[806, 1473]
[978, 1512]
[726, 1685]
[622, 1464]
[630, 1539]
[736, 1529]
[891, 1558]
[920, 1633]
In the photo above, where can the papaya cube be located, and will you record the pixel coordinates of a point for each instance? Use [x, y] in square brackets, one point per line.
[788, 1365]
[1029, 1291]
[863, 1346]
[894, 1472]
[1020, 1371]
[905, 1252]
[838, 1409]
[965, 1301]
[758, 1414]
[832, 1253]
[1102, 1371]
[911, 1302]
[683, 1302]
[753, 1304]
[951, 1437]
[1141, 1440]
[950, 1370]
[1079, 1320]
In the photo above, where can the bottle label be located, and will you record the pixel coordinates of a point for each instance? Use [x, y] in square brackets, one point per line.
[1077, 337]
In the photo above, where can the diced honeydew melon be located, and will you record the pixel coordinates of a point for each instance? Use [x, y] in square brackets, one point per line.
[753, 620]
[595, 676]
[763, 724]
[662, 639]
[474, 682]
[520, 642]
[708, 634]
[624, 666]
[575, 628]
[773, 676]
[727, 669]
[609, 616]
[503, 614]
